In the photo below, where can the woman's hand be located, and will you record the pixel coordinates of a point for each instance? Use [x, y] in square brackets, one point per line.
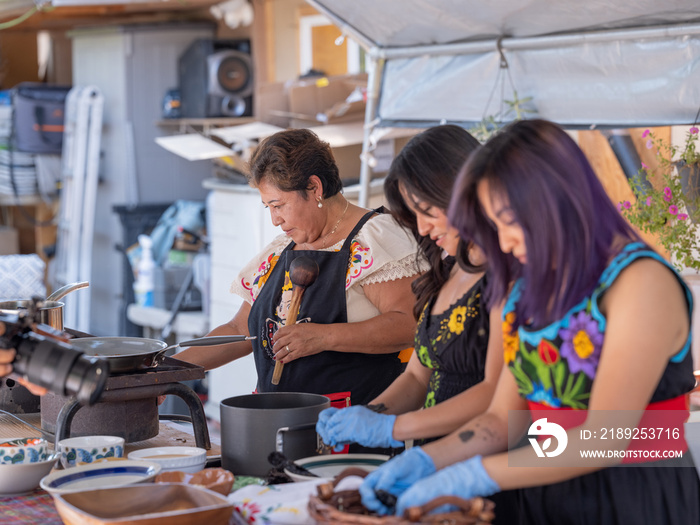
[6, 358]
[466, 480]
[357, 424]
[299, 340]
[34, 389]
[395, 476]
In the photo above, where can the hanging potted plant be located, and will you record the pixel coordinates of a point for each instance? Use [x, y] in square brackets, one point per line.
[670, 210]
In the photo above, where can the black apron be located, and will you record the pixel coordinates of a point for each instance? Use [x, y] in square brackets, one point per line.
[365, 376]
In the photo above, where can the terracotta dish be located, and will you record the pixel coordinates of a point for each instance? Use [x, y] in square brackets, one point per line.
[217, 479]
[146, 504]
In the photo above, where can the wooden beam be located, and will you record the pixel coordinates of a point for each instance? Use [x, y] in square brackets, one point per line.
[608, 169]
[69, 17]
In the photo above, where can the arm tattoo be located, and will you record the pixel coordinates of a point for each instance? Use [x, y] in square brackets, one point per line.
[381, 407]
[466, 435]
[490, 435]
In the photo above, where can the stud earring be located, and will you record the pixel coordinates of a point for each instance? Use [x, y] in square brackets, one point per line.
[320, 204]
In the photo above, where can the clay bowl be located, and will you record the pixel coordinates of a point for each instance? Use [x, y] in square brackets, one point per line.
[217, 479]
[146, 504]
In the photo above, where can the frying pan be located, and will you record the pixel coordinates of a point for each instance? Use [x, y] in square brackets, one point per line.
[126, 354]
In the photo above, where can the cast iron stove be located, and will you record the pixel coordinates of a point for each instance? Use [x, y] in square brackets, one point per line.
[128, 407]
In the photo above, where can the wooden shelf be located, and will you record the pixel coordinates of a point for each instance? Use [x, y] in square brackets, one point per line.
[22, 200]
[188, 124]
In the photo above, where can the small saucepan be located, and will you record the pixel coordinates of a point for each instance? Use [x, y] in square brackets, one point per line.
[126, 354]
[50, 311]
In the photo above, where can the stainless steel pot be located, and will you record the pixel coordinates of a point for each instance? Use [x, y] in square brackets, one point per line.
[250, 425]
[51, 311]
[126, 354]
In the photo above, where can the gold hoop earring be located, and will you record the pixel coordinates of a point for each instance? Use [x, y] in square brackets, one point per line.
[320, 204]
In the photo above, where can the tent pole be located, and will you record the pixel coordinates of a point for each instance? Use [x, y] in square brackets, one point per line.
[373, 83]
[542, 42]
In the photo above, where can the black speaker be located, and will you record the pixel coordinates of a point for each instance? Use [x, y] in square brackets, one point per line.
[216, 79]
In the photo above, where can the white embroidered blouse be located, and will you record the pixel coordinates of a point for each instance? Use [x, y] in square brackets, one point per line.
[381, 251]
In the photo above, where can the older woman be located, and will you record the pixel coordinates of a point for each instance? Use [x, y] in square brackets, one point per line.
[357, 315]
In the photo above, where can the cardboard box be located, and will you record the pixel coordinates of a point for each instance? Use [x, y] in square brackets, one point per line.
[346, 143]
[9, 240]
[312, 101]
[272, 104]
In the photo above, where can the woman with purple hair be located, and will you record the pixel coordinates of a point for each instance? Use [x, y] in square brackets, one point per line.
[596, 348]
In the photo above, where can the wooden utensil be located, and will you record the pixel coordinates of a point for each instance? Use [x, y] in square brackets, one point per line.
[302, 272]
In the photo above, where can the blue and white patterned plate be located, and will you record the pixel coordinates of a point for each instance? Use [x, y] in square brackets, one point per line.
[100, 475]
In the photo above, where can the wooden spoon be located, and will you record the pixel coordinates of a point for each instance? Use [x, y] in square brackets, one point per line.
[302, 272]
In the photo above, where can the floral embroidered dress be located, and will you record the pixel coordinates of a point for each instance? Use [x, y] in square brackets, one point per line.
[453, 344]
[556, 367]
[382, 251]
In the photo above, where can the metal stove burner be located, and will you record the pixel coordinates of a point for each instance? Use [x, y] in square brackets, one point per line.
[128, 407]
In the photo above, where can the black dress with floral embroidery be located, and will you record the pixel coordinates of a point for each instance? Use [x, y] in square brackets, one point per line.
[453, 344]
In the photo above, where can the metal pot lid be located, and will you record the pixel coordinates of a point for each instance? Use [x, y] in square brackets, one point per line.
[117, 346]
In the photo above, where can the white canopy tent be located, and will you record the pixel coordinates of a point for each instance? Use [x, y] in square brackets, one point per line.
[604, 63]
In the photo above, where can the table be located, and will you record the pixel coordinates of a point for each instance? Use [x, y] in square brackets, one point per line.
[36, 507]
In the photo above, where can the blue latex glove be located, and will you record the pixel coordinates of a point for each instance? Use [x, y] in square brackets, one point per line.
[357, 424]
[395, 476]
[466, 479]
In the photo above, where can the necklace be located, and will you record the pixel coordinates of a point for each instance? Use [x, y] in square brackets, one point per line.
[325, 237]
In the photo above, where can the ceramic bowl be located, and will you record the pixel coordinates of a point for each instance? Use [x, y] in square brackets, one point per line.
[23, 450]
[20, 478]
[184, 459]
[90, 449]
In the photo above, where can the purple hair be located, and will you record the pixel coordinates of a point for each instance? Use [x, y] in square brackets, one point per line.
[569, 222]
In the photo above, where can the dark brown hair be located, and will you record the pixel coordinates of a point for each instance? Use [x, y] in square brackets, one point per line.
[427, 168]
[288, 158]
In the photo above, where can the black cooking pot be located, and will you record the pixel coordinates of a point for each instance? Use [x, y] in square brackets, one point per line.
[253, 424]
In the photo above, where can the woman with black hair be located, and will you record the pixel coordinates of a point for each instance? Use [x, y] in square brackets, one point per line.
[597, 337]
[458, 346]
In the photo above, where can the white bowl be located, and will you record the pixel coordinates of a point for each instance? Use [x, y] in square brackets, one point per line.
[21, 478]
[185, 459]
[23, 450]
[90, 449]
[329, 466]
[99, 475]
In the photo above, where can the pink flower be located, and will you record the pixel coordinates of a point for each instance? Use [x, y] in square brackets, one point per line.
[693, 130]
[667, 194]
[673, 209]
[619, 206]
[627, 205]
[682, 216]
[650, 144]
[645, 166]
[649, 201]
[646, 133]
